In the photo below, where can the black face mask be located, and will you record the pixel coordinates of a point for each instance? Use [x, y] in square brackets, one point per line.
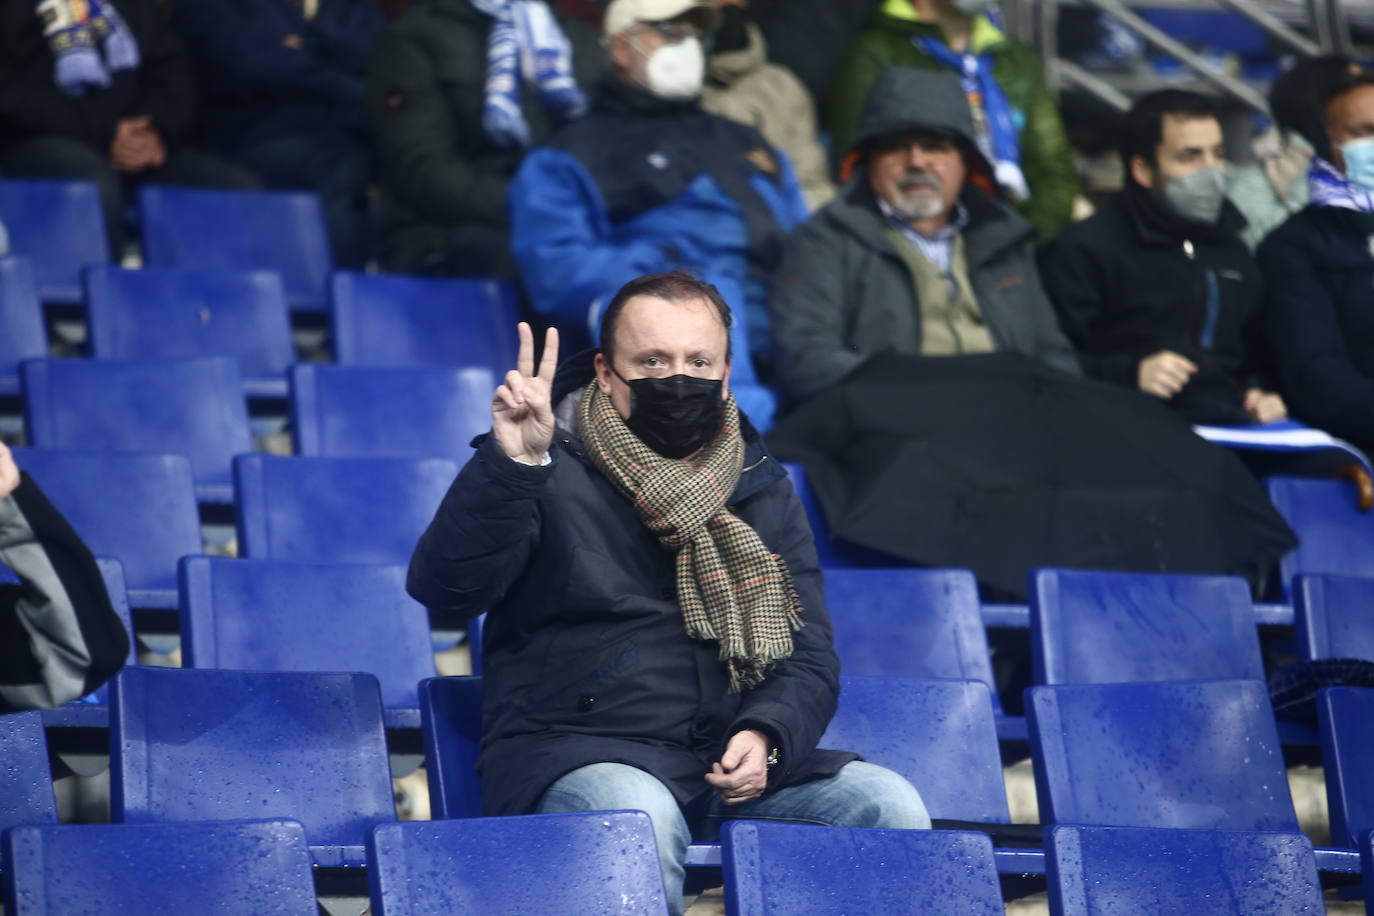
[676, 415]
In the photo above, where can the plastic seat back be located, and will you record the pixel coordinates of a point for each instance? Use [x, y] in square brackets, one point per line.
[1345, 717]
[26, 795]
[1129, 871]
[252, 230]
[777, 869]
[538, 865]
[60, 227]
[370, 412]
[1334, 616]
[191, 407]
[939, 734]
[137, 508]
[200, 744]
[908, 623]
[336, 510]
[383, 320]
[1334, 535]
[184, 313]
[1194, 754]
[271, 615]
[243, 868]
[1110, 627]
[21, 321]
[451, 717]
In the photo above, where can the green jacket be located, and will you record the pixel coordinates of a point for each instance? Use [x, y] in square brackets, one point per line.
[1046, 159]
[444, 185]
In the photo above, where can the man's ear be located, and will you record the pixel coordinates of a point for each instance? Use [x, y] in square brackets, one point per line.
[1142, 172]
[603, 373]
[620, 52]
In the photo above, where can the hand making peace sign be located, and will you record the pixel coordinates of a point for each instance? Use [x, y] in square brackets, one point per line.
[521, 409]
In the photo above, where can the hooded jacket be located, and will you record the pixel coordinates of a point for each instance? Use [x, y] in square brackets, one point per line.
[1319, 318]
[889, 40]
[31, 105]
[444, 183]
[1135, 279]
[845, 294]
[585, 657]
[743, 86]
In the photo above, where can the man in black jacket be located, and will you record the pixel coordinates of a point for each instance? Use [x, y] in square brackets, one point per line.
[59, 637]
[656, 635]
[1157, 290]
[100, 90]
[1319, 278]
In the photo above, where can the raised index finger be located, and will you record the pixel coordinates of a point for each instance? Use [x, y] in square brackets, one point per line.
[524, 361]
[548, 363]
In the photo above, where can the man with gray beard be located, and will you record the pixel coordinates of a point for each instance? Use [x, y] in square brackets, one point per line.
[916, 255]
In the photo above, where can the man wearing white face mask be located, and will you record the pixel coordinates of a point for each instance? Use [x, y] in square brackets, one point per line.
[1319, 276]
[1157, 290]
[649, 182]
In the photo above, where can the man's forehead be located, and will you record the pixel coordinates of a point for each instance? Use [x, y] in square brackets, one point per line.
[1354, 106]
[1189, 130]
[648, 321]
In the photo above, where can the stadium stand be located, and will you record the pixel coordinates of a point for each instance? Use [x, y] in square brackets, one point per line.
[210, 868]
[184, 313]
[1334, 616]
[59, 227]
[1334, 535]
[21, 321]
[1344, 715]
[540, 865]
[26, 795]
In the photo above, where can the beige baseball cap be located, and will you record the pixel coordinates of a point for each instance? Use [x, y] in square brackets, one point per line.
[621, 14]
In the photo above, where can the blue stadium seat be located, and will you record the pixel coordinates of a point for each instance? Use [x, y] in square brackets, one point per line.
[451, 717]
[909, 623]
[336, 510]
[184, 313]
[1346, 720]
[21, 321]
[270, 615]
[1113, 627]
[373, 412]
[1130, 871]
[60, 227]
[1334, 535]
[209, 744]
[240, 868]
[538, 865]
[250, 230]
[937, 733]
[419, 321]
[780, 869]
[191, 407]
[93, 710]
[26, 795]
[138, 508]
[1334, 616]
[1193, 754]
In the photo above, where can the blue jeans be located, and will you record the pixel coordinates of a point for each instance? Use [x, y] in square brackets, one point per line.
[859, 795]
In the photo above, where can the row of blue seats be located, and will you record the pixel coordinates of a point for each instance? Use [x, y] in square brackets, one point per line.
[59, 225]
[185, 313]
[207, 744]
[605, 862]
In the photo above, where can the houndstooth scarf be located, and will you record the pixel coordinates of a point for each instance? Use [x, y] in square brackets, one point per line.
[730, 587]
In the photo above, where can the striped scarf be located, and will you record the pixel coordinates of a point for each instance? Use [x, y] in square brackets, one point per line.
[1327, 187]
[730, 587]
[77, 31]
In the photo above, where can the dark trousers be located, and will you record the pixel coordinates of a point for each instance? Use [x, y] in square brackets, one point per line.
[68, 159]
[337, 165]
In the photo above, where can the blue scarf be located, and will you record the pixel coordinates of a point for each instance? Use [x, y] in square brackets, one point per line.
[525, 40]
[1327, 187]
[994, 120]
[77, 31]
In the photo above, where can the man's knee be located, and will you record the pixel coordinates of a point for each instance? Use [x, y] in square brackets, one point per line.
[881, 798]
[610, 787]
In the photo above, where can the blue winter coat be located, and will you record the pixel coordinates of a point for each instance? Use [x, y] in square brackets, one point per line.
[642, 185]
[1319, 317]
[585, 656]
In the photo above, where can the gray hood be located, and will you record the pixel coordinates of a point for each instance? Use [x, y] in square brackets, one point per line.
[905, 97]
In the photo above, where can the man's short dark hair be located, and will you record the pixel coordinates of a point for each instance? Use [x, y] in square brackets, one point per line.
[674, 286]
[1299, 95]
[1142, 130]
[1348, 84]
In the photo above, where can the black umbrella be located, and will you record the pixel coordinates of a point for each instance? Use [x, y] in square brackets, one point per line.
[1000, 464]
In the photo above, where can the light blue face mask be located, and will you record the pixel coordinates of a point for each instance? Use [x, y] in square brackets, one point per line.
[1359, 162]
